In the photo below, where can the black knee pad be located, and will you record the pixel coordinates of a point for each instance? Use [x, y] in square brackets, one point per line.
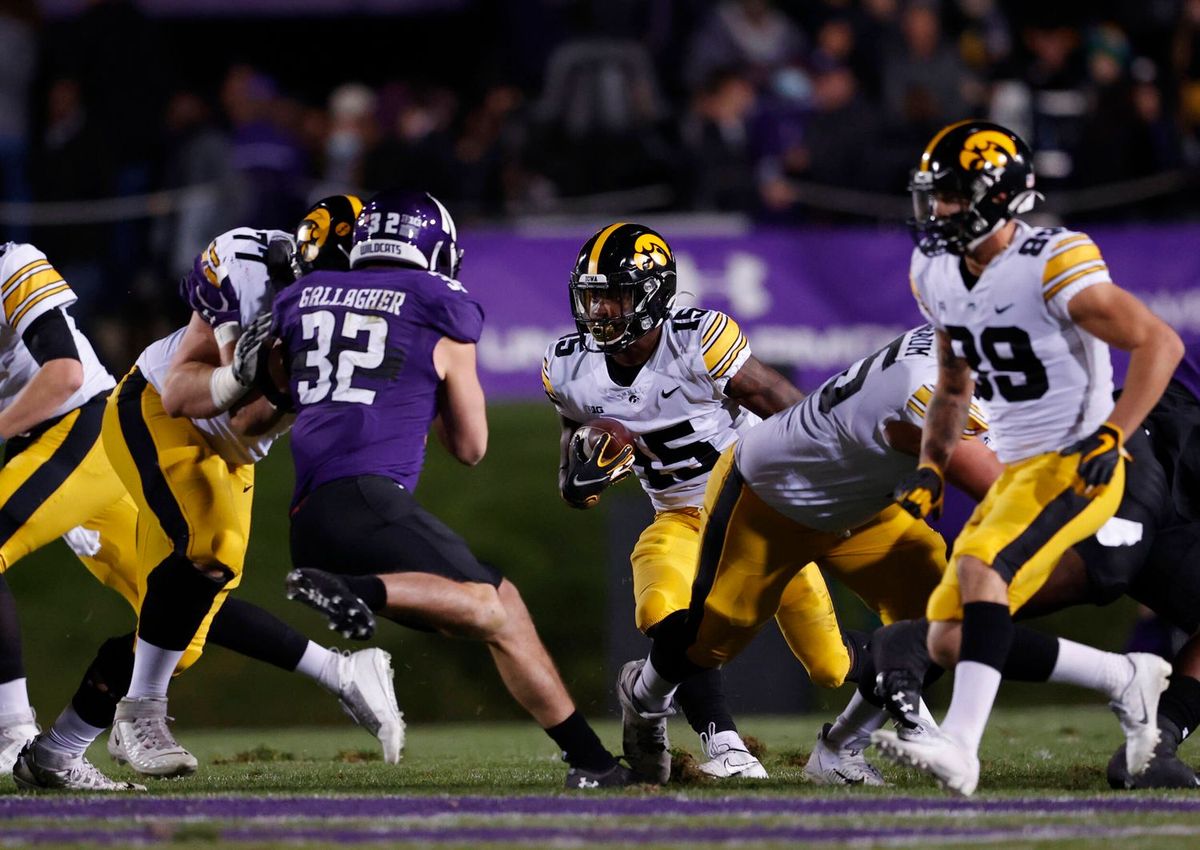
[178, 597]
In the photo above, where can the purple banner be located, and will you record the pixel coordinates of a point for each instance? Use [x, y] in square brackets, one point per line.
[811, 301]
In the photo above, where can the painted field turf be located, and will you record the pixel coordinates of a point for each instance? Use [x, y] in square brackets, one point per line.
[490, 784]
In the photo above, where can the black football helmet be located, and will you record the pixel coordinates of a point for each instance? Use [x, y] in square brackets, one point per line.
[323, 237]
[982, 164]
[622, 287]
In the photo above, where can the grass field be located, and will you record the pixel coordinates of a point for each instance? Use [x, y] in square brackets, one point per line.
[499, 784]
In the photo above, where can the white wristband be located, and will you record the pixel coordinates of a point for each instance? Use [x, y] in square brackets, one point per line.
[225, 388]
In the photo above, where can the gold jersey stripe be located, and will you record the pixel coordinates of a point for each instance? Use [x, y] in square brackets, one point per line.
[594, 257]
[18, 281]
[546, 385]
[721, 344]
[733, 355]
[24, 269]
[1070, 240]
[1092, 268]
[37, 299]
[718, 322]
[1069, 259]
[31, 284]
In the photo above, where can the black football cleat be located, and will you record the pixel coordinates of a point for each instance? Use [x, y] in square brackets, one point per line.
[1165, 770]
[329, 594]
[617, 776]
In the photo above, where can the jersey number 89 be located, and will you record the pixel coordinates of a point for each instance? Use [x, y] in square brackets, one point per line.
[1009, 352]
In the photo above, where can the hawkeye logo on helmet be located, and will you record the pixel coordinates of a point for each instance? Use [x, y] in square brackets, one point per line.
[650, 251]
[986, 148]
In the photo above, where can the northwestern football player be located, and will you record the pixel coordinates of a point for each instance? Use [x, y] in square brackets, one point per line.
[1024, 318]
[376, 356]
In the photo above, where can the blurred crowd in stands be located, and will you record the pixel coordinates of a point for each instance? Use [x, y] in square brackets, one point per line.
[768, 108]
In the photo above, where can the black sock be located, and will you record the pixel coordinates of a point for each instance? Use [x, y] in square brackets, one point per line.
[178, 598]
[581, 748]
[702, 698]
[1179, 708]
[902, 646]
[370, 589]
[250, 631]
[858, 645]
[987, 634]
[866, 683]
[1032, 656]
[11, 665]
[105, 682]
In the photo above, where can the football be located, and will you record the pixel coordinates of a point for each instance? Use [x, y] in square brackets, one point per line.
[590, 432]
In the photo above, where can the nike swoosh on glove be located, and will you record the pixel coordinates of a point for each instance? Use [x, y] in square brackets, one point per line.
[1099, 455]
[588, 477]
[921, 492]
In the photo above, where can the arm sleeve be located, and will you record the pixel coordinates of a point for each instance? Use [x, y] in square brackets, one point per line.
[49, 337]
[723, 346]
[1073, 263]
[31, 288]
[548, 386]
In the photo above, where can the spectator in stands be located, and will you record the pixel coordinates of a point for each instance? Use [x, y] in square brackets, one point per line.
[352, 130]
[750, 34]
[716, 136]
[924, 79]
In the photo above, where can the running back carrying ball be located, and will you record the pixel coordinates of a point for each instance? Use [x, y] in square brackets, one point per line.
[601, 454]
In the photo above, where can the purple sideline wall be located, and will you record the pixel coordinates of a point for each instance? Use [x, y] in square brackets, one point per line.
[812, 301]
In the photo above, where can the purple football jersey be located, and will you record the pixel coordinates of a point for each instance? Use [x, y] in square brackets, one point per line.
[359, 347]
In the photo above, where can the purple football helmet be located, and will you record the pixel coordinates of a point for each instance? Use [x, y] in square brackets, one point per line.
[413, 228]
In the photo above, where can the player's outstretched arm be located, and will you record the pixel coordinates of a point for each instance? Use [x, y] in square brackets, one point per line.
[60, 374]
[461, 425]
[946, 416]
[1120, 319]
[187, 389]
[761, 390]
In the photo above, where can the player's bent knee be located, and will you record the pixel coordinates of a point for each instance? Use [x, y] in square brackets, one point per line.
[829, 672]
[943, 642]
[486, 614]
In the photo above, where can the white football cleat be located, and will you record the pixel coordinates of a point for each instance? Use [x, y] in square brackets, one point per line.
[935, 753]
[16, 730]
[141, 739]
[844, 766]
[728, 756]
[39, 769]
[643, 733]
[1137, 709]
[365, 689]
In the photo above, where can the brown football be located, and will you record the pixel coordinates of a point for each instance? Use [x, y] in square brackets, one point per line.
[590, 432]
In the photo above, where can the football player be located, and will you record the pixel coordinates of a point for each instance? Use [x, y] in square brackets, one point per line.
[686, 383]
[192, 477]
[803, 488]
[1024, 317]
[1146, 551]
[377, 355]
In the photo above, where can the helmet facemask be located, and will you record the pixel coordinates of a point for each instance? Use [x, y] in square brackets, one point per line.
[638, 301]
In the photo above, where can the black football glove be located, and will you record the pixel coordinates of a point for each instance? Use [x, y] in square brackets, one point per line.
[590, 475]
[921, 492]
[1099, 455]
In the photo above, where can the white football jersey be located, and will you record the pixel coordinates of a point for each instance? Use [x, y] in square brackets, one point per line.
[31, 288]
[1046, 381]
[234, 269]
[676, 407]
[826, 462]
